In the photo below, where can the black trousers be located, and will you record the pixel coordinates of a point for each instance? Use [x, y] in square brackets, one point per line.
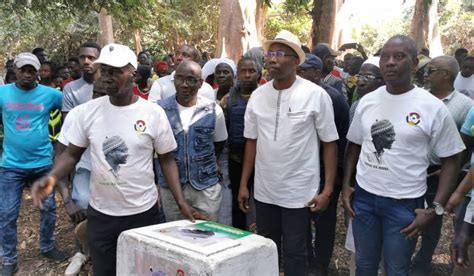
[290, 227]
[102, 234]
[239, 218]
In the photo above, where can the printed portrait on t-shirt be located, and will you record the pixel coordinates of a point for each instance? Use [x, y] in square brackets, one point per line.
[383, 136]
[116, 152]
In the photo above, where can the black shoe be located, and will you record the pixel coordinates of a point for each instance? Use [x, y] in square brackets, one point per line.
[9, 270]
[55, 254]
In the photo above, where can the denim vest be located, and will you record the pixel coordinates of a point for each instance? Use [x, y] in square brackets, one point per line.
[195, 156]
[236, 106]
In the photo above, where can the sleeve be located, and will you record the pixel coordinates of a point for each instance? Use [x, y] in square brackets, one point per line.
[220, 132]
[155, 92]
[58, 100]
[324, 120]
[469, 217]
[207, 91]
[467, 127]
[66, 127]
[250, 120]
[355, 134]
[67, 102]
[164, 139]
[445, 138]
[77, 133]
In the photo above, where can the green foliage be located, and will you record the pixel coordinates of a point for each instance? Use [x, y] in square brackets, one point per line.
[296, 20]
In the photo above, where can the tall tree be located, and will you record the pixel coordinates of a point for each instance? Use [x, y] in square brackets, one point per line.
[324, 21]
[425, 28]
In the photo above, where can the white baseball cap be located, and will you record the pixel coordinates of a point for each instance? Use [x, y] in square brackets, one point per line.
[117, 55]
[27, 59]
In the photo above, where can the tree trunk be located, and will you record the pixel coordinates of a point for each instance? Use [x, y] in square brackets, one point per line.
[138, 41]
[106, 30]
[425, 27]
[324, 21]
[237, 28]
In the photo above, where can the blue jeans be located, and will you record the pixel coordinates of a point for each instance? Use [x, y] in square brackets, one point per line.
[12, 183]
[377, 226]
[81, 188]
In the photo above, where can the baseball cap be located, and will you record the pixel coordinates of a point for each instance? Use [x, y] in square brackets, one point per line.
[117, 55]
[287, 38]
[373, 60]
[23, 59]
[312, 61]
[324, 50]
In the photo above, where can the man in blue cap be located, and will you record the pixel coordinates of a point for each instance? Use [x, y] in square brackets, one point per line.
[325, 222]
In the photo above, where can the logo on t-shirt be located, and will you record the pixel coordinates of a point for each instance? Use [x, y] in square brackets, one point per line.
[413, 118]
[116, 153]
[23, 123]
[140, 126]
[383, 136]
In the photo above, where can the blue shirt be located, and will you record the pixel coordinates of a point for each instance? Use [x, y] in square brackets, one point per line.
[25, 115]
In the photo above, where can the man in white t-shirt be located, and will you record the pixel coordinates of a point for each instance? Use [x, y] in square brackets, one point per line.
[164, 87]
[285, 121]
[122, 131]
[464, 82]
[199, 128]
[390, 139]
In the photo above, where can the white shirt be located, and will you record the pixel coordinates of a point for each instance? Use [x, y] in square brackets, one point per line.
[420, 123]
[142, 127]
[465, 85]
[164, 87]
[288, 125]
[187, 119]
[85, 161]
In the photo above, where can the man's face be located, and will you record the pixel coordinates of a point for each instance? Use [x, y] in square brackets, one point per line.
[117, 81]
[187, 82]
[10, 66]
[75, 69]
[248, 75]
[369, 79]
[311, 74]
[143, 59]
[467, 68]
[281, 67]
[396, 63]
[120, 154]
[328, 63]
[42, 56]
[65, 73]
[26, 77]
[184, 53]
[223, 75]
[435, 75]
[45, 71]
[87, 56]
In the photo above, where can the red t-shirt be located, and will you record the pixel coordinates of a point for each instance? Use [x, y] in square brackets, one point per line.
[138, 92]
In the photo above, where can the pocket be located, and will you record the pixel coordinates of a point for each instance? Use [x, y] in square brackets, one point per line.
[203, 138]
[207, 167]
[299, 115]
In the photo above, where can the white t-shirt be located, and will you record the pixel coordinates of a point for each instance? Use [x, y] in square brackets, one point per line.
[85, 161]
[122, 184]
[187, 119]
[465, 85]
[406, 128]
[164, 87]
[288, 125]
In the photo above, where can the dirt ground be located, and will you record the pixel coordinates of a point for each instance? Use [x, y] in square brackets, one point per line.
[32, 263]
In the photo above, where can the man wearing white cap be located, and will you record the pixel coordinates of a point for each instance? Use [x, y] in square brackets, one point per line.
[122, 131]
[27, 155]
[285, 121]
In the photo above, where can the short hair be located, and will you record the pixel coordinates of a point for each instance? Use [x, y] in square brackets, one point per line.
[412, 48]
[321, 51]
[460, 51]
[468, 58]
[144, 71]
[451, 64]
[91, 44]
[37, 50]
[305, 49]
[425, 51]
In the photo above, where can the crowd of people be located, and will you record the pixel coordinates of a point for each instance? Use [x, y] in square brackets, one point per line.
[269, 143]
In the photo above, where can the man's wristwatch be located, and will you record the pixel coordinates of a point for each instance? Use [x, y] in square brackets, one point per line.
[439, 209]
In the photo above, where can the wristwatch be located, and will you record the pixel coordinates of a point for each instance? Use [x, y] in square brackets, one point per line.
[439, 209]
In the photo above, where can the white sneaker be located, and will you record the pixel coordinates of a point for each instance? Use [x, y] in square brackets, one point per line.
[75, 265]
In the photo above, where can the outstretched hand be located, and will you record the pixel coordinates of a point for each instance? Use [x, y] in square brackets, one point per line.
[42, 188]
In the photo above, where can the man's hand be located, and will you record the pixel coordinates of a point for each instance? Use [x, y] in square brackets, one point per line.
[423, 219]
[75, 213]
[42, 188]
[347, 195]
[455, 199]
[460, 245]
[191, 213]
[319, 203]
[243, 199]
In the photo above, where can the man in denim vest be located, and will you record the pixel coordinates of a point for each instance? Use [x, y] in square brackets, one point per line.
[199, 129]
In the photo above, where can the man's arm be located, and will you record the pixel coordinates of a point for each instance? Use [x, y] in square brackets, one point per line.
[63, 165]
[460, 245]
[350, 163]
[320, 202]
[218, 147]
[170, 171]
[247, 169]
[458, 196]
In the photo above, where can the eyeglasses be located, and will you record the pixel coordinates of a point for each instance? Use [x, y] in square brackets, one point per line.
[366, 77]
[189, 80]
[277, 54]
[429, 71]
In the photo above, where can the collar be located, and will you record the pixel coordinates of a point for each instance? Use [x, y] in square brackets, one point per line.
[449, 97]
